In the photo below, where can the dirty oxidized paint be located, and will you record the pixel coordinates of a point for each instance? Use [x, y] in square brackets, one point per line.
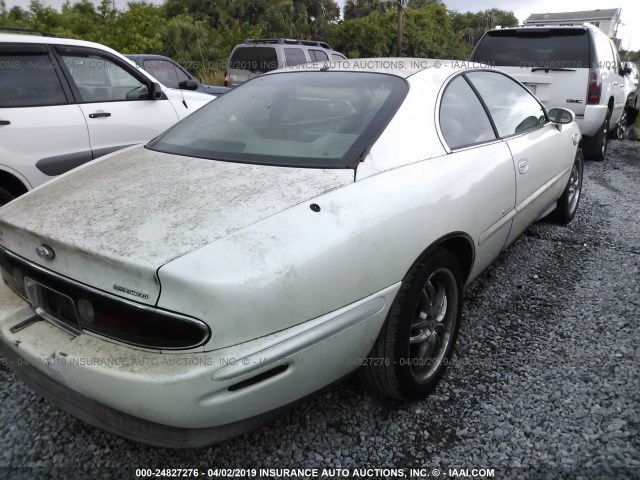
[98, 215]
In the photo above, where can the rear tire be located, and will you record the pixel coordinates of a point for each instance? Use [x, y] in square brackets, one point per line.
[595, 148]
[417, 339]
[623, 123]
[568, 202]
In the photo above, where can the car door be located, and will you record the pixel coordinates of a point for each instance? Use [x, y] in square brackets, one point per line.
[620, 95]
[115, 99]
[612, 81]
[487, 163]
[537, 146]
[42, 132]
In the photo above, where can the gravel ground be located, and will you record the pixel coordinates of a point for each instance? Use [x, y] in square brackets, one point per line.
[544, 384]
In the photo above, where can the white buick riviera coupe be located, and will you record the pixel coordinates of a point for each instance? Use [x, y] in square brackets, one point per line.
[302, 226]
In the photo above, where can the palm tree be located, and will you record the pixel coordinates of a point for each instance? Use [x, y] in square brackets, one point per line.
[468, 34]
[473, 34]
[401, 5]
[488, 21]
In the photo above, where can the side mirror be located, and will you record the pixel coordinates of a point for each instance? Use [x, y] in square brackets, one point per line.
[188, 85]
[156, 91]
[561, 116]
[627, 71]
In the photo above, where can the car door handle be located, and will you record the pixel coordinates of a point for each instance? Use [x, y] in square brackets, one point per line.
[99, 114]
[5, 122]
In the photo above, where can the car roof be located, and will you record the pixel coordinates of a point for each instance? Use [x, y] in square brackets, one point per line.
[549, 26]
[37, 39]
[400, 67]
[147, 56]
[251, 42]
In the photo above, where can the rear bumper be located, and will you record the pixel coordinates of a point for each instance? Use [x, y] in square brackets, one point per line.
[592, 119]
[120, 423]
[186, 399]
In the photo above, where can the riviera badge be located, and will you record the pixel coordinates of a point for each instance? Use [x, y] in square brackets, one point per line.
[46, 252]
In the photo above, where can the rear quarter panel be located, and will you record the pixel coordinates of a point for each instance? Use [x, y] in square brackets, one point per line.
[301, 264]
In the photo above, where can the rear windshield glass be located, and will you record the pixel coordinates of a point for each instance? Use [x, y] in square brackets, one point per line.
[298, 119]
[566, 48]
[254, 59]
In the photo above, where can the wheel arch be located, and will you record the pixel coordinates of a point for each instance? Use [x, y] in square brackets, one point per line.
[460, 245]
[12, 183]
[630, 100]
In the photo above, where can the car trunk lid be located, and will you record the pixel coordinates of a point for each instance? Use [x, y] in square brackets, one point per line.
[114, 222]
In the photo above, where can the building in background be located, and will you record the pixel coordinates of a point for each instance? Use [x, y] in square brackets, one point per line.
[606, 19]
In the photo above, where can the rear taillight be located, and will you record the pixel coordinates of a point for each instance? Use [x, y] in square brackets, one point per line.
[138, 324]
[80, 307]
[595, 87]
[226, 78]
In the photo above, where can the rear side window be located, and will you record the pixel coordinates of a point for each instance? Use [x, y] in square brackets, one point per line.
[606, 59]
[294, 56]
[463, 121]
[28, 80]
[513, 109]
[318, 56]
[254, 59]
[524, 48]
[165, 72]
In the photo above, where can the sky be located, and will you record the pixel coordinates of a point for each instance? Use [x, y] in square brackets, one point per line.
[629, 31]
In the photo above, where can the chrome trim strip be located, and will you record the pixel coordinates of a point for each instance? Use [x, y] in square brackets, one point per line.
[497, 226]
[36, 300]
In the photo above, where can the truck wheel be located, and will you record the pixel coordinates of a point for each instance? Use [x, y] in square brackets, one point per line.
[595, 148]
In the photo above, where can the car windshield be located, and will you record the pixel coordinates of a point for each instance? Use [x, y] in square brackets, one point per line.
[528, 48]
[298, 119]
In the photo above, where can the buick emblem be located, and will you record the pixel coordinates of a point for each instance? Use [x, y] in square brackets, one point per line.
[46, 252]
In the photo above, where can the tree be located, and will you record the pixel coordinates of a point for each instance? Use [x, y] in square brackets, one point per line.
[362, 8]
[370, 36]
[290, 18]
[427, 32]
[135, 31]
[415, 4]
[471, 26]
[629, 55]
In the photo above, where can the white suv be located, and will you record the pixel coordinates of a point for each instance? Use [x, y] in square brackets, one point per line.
[65, 102]
[575, 67]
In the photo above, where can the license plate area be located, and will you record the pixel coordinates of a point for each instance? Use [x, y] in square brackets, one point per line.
[53, 306]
